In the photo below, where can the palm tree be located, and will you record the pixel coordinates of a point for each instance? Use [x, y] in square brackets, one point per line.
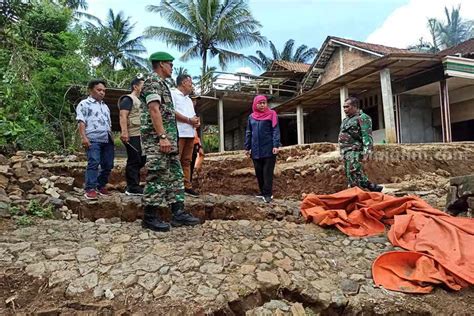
[452, 32]
[110, 42]
[75, 4]
[207, 28]
[302, 54]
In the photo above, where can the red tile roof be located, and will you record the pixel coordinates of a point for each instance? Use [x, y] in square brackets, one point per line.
[465, 49]
[376, 48]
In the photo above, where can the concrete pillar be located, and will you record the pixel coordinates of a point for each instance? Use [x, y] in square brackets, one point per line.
[300, 124]
[220, 119]
[380, 111]
[445, 112]
[388, 112]
[343, 94]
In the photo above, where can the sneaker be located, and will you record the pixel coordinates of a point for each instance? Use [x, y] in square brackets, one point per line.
[90, 195]
[134, 191]
[104, 192]
[259, 196]
[268, 199]
[191, 192]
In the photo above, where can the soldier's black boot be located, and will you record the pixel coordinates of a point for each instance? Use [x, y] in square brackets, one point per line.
[373, 187]
[152, 221]
[182, 218]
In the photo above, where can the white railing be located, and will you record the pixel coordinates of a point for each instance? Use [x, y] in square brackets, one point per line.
[242, 82]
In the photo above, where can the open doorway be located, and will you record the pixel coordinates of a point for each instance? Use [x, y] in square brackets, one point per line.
[463, 131]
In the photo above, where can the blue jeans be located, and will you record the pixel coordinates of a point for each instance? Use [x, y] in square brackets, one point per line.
[99, 154]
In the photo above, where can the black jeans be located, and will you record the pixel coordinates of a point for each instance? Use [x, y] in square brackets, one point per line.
[135, 161]
[264, 171]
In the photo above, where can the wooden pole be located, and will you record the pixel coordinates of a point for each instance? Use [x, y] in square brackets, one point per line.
[445, 111]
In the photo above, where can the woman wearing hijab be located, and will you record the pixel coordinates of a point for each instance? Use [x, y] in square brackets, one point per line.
[262, 140]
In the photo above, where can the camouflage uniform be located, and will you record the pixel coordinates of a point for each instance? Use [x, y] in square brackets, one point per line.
[164, 182]
[355, 141]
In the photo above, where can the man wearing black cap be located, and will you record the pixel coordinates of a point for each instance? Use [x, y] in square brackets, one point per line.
[164, 183]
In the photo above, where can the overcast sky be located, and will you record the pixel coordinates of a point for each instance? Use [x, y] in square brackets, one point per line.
[396, 23]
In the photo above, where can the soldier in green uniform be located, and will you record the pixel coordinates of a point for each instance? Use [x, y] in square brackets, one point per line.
[164, 183]
[356, 143]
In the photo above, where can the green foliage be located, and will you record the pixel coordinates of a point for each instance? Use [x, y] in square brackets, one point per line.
[210, 140]
[38, 63]
[452, 32]
[207, 28]
[14, 210]
[445, 33]
[35, 209]
[24, 220]
[111, 44]
[119, 78]
[119, 146]
[38, 136]
[302, 54]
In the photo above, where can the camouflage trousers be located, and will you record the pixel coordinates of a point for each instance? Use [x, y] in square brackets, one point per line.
[354, 170]
[164, 181]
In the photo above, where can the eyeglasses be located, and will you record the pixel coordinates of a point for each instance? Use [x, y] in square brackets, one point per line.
[169, 63]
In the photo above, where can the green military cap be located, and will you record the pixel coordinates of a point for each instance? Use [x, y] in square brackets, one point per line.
[161, 56]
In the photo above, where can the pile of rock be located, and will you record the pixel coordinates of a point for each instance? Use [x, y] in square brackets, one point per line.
[460, 197]
[279, 307]
[23, 179]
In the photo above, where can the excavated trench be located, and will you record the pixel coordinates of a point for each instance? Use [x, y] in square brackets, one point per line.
[227, 182]
[251, 304]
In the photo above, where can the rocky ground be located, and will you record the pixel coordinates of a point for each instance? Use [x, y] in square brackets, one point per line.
[248, 257]
[221, 267]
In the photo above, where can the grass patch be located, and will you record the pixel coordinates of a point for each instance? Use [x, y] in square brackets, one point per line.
[33, 210]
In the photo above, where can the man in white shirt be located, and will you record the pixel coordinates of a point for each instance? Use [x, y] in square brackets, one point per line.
[187, 121]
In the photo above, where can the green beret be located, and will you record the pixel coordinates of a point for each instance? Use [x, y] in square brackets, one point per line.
[161, 56]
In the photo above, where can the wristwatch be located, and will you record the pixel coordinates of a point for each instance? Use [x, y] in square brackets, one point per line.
[163, 136]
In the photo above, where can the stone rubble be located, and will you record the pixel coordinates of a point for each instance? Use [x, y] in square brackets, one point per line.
[23, 178]
[249, 257]
[209, 266]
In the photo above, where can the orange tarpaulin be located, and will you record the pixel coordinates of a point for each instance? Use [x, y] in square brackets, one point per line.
[440, 245]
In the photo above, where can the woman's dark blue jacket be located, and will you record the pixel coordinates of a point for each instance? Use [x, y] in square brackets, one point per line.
[261, 137]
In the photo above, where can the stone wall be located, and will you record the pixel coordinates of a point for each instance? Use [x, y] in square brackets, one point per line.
[23, 179]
